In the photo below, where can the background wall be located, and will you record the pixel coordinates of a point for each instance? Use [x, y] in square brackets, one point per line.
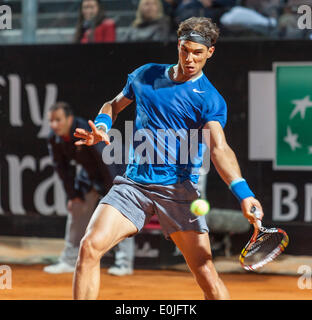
[33, 77]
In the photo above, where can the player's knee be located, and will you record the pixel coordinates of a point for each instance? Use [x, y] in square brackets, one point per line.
[88, 252]
[203, 273]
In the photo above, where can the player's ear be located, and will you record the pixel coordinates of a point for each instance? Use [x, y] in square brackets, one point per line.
[210, 51]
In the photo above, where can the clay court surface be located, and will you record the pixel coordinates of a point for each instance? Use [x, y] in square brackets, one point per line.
[31, 283]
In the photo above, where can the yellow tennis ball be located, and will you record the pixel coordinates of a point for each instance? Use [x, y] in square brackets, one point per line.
[200, 207]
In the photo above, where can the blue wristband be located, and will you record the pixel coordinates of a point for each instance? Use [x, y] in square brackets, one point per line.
[103, 120]
[240, 189]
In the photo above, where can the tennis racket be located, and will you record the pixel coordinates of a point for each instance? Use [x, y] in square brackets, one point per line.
[264, 245]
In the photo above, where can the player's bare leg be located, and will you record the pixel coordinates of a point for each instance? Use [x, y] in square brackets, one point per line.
[107, 227]
[196, 250]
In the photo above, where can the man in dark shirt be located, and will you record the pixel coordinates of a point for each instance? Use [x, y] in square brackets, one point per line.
[213, 9]
[84, 175]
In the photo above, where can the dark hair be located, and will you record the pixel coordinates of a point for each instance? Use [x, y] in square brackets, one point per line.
[97, 21]
[204, 26]
[62, 105]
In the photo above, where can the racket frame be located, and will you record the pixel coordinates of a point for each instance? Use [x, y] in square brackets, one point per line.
[259, 228]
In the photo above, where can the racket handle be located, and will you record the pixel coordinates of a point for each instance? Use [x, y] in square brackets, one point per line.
[257, 213]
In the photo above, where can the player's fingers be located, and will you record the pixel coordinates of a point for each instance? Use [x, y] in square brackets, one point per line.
[80, 142]
[80, 135]
[257, 204]
[250, 217]
[105, 138]
[92, 126]
[247, 205]
[253, 220]
[82, 131]
[261, 210]
[107, 142]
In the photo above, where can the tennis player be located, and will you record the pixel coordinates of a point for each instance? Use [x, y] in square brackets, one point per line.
[167, 97]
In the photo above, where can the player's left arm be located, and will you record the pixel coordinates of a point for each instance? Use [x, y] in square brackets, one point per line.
[109, 111]
[225, 162]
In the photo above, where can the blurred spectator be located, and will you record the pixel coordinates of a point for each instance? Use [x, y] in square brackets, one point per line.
[251, 18]
[170, 7]
[288, 21]
[268, 8]
[203, 8]
[150, 24]
[92, 25]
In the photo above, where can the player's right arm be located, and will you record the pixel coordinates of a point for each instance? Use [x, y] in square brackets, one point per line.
[111, 108]
[226, 164]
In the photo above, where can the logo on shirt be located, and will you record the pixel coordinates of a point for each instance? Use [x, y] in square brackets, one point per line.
[197, 91]
[193, 220]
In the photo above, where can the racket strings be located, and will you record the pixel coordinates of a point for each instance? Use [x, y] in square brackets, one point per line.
[265, 244]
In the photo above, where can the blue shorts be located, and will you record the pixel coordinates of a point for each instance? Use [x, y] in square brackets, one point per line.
[171, 203]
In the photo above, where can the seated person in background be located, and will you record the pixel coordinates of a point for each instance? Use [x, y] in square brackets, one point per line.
[92, 25]
[288, 21]
[268, 8]
[170, 7]
[250, 18]
[150, 24]
[202, 8]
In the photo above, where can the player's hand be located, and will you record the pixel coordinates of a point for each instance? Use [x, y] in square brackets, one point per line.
[246, 206]
[90, 138]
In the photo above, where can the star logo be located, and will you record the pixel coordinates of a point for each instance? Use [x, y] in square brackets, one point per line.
[301, 107]
[292, 140]
[293, 117]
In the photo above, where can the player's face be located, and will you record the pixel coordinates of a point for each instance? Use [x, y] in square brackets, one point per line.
[90, 9]
[193, 57]
[59, 122]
